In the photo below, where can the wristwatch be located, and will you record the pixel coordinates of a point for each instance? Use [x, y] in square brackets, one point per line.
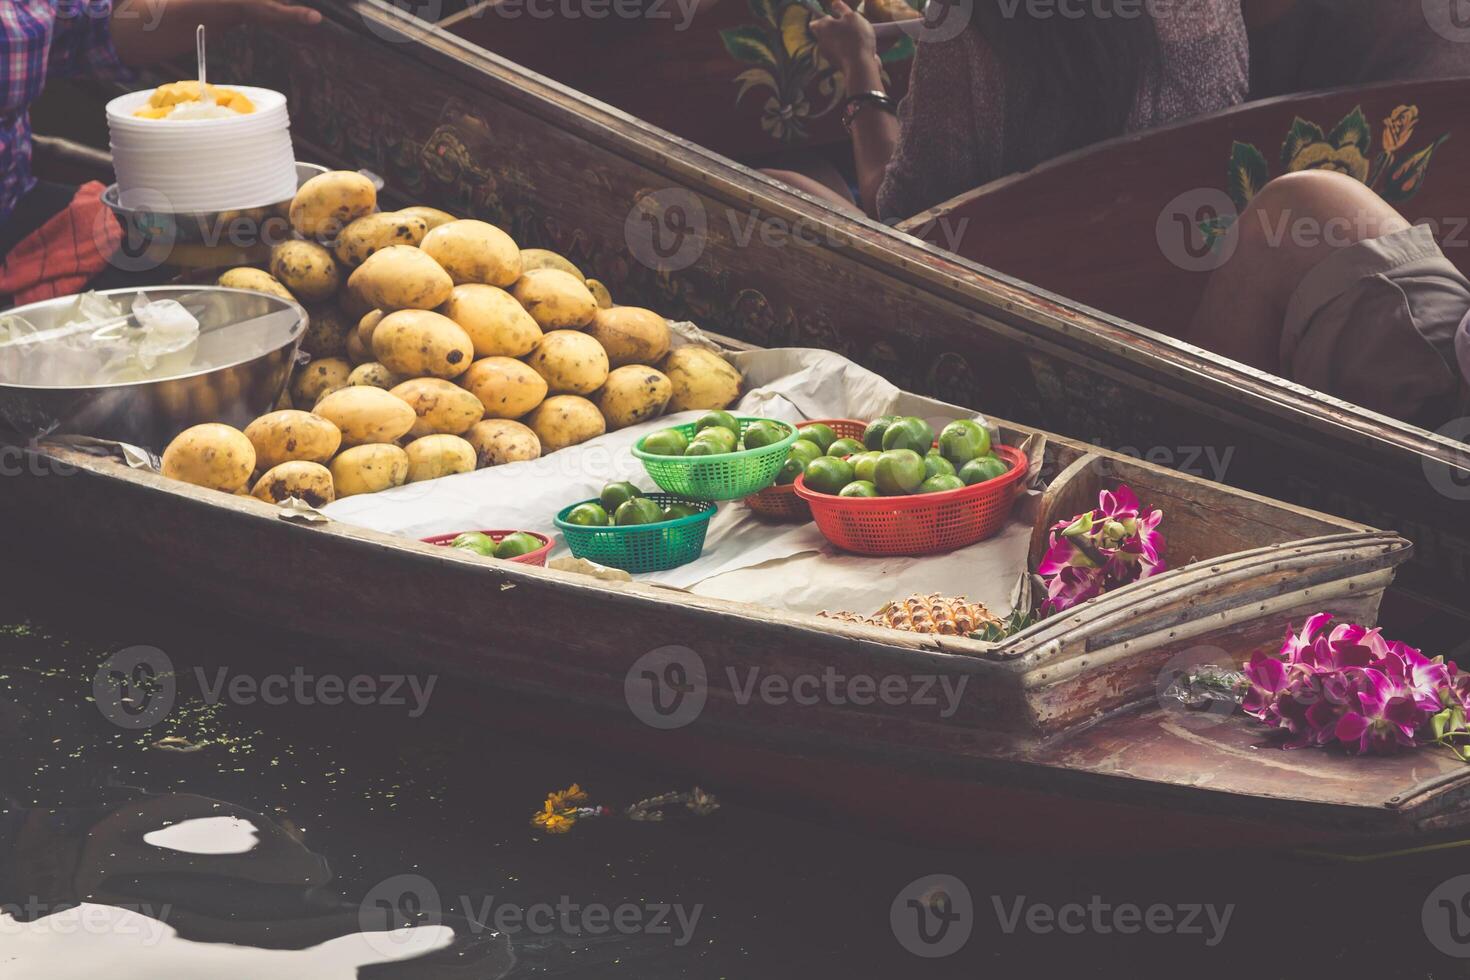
[856, 103]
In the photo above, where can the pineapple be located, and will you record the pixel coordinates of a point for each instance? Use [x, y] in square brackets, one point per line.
[956, 616]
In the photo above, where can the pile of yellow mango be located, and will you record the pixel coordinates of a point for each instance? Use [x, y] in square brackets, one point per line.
[437, 346]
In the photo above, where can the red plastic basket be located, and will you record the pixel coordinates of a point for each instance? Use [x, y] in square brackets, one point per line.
[921, 524]
[537, 557]
[781, 502]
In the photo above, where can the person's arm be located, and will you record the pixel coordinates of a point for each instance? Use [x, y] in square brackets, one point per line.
[81, 42]
[148, 31]
[847, 41]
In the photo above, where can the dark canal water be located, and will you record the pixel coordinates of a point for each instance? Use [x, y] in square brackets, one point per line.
[316, 841]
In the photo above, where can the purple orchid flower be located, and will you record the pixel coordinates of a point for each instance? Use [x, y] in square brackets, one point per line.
[1101, 550]
[1353, 687]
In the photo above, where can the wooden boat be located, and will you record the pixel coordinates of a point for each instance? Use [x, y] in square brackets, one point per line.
[450, 124]
[1141, 197]
[1058, 736]
[740, 77]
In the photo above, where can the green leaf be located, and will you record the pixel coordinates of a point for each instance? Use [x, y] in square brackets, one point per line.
[1213, 230]
[1406, 179]
[1438, 723]
[1302, 134]
[1248, 174]
[764, 10]
[748, 44]
[753, 78]
[902, 51]
[1353, 131]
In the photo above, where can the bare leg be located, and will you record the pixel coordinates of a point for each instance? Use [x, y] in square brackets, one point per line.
[1294, 223]
[832, 192]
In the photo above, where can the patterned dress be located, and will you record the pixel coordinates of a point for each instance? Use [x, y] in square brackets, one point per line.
[952, 122]
[41, 39]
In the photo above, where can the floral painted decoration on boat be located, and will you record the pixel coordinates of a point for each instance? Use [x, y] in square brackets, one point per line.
[785, 62]
[1388, 168]
[1353, 688]
[563, 808]
[1101, 550]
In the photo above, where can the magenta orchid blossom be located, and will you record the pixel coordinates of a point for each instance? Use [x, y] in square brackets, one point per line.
[1352, 687]
[1100, 550]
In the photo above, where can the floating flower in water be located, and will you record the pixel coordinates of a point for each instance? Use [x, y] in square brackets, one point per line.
[554, 821]
[562, 809]
[1101, 550]
[566, 798]
[1353, 687]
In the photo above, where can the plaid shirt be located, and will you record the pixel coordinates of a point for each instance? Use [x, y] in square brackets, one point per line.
[41, 39]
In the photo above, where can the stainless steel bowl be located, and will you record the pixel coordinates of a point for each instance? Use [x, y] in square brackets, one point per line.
[237, 227]
[247, 344]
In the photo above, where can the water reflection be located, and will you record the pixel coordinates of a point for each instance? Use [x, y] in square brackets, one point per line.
[310, 840]
[179, 885]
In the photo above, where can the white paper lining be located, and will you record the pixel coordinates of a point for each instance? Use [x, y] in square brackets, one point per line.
[745, 559]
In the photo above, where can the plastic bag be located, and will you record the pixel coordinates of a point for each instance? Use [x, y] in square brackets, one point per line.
[100, 344]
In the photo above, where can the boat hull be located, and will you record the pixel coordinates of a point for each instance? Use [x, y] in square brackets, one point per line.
[1005, 768]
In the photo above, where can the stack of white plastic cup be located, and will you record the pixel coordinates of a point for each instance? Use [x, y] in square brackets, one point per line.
[187, 166]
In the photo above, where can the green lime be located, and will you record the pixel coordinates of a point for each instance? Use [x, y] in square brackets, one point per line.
[899, 471]
[666, 442]
[790, 470]
[639, 510]
[941, 483]
[909, 432]
[845, 447]
[859, 488]
[614, 495]
[963, 440]
[480, 544]
[828, 474]
[937, 465]
[722, 438]
[982, 469]
[719, 420]
[763, 433]
[873, 434]
[704, 447]
[588, 515]
[517, 544]
[864, 466]
[805, 451]
[680, 509]
[818, 433]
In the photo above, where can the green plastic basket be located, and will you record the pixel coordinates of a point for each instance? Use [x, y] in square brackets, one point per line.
[725, 476]
[640, 547]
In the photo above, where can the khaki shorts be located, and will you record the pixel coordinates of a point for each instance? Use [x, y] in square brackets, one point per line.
[1375, 325]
